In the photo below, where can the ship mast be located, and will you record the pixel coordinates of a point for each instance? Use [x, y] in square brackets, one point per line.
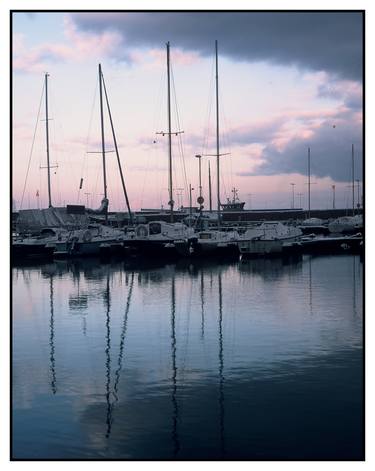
[170, 184]
[48, 166]
[169, 133]
[308, 171]
[209, 186]
[217, 136]
[218, 155]
[47, 142]
[353, 177]
[102, 129]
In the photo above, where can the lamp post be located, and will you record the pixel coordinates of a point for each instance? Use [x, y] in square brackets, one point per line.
[333, 196]
[200, 198]
[190, 204]
[87, 199]
[358, 199]
[250, 204]
[300, 199]
[199, 157]
[293, 185]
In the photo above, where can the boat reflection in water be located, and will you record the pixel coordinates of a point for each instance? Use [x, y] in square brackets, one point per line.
[260, 359]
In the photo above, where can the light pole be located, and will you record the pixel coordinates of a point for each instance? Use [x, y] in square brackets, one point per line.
[179, 196]
[293, 185]
[300, 199]
[200, 199]
[358, 200]
[190, 204]
[308, 171]
[250, 204]
[333, 196]
[199, 157]
[353, 176]
[87, 199]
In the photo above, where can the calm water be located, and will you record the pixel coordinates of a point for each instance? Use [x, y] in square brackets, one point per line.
[253, 360]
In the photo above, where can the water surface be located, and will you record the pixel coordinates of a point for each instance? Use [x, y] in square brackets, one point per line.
[247, 360]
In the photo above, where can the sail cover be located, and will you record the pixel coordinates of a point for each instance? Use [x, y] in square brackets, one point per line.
[33, 220]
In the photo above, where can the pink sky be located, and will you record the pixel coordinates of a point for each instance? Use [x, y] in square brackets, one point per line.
[270, 113]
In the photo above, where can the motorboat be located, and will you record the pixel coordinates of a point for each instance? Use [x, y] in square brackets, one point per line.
[95, 240]
[346, 225]
[313, 226]
[209, 242]
[39, 246]
[157, 238]
[267, 238]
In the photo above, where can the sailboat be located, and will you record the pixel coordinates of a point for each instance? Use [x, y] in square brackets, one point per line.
[267, 239]
[348, 224]
[97, 239]
[41, 244]
[157, 238]
[213, 242]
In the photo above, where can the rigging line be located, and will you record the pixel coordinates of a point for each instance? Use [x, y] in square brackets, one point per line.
[55, 112]
[180, 143]
[32, 147]
[57, 150]
[226, 139]
[209, 109]
[155, 125]
[88, 134]
[118, 156]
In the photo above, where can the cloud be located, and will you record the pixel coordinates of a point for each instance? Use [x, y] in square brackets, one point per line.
[318, 41]
[330, 152]
[78, 46]
[349, 92]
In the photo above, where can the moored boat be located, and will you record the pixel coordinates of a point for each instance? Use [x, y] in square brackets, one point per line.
[157, 238]
[95, 240]
[267, 239]
[346, 225]
[209, 242]
[40, 246]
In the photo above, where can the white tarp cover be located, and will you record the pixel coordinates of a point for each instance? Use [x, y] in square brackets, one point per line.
[37, 219]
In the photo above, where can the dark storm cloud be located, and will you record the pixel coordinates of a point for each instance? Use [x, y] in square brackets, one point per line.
[330, 153]
[318, 41]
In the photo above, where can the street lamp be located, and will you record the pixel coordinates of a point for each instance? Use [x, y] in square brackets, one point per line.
[293, 185]
[300, 199]
[358, 203]
[190, 204]
[200, 198]
[250, 195]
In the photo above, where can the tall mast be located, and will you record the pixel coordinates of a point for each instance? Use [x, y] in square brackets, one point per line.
[308, 171]
[170, 184]
[169, 133]
[353, 177]
[47, 142]
[102, 128]
[209, 186]
[217, 136]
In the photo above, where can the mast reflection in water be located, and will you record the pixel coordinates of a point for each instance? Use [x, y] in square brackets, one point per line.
[253, 360]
